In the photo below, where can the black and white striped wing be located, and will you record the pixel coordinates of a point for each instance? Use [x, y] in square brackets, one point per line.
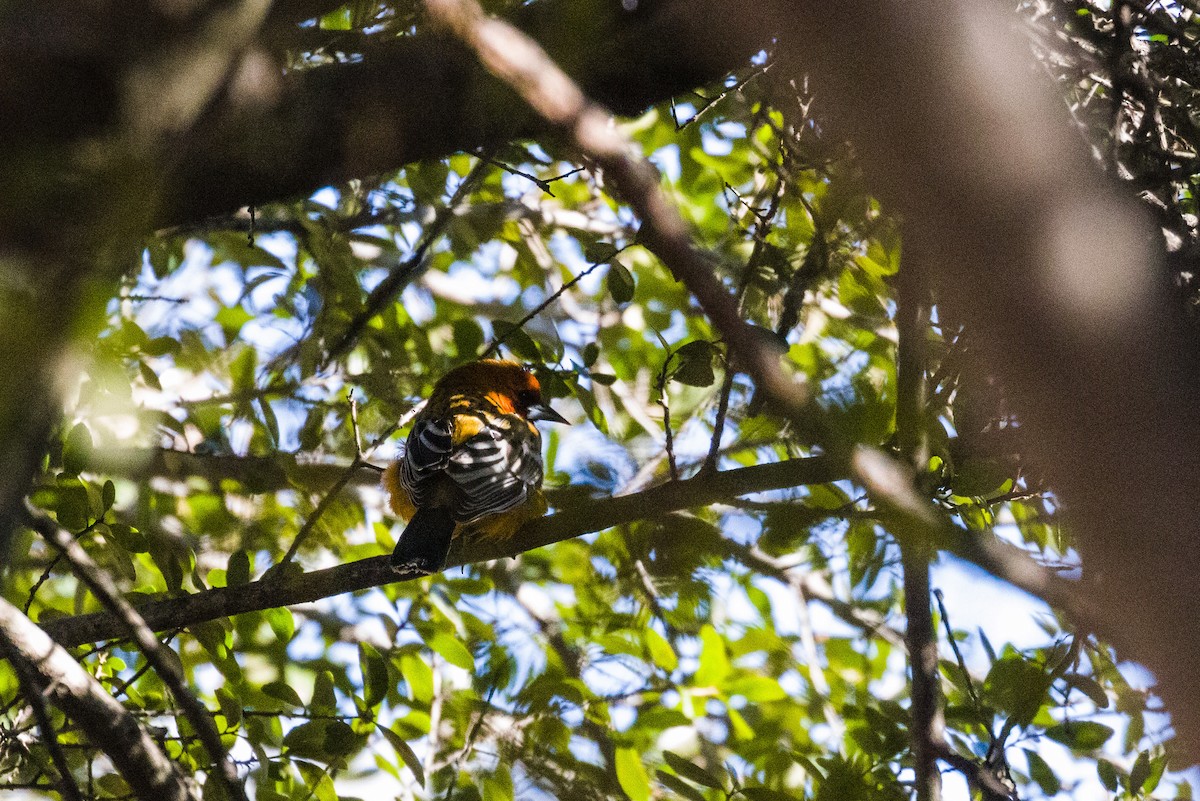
[496, 468]
[429, 448]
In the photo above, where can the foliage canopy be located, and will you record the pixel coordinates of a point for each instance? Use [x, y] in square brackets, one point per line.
[247, 369]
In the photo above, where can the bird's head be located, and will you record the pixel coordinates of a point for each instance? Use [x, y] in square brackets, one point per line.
[510, 385]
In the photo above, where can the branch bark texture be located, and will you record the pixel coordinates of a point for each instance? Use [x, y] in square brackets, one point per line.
[106, 591]
[139, 760]
[581, 517]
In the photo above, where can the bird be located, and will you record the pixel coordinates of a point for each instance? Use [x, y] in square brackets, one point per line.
[472, 463]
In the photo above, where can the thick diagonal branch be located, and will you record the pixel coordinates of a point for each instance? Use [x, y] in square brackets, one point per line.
[582, 517]
[518, 61]
[106, 591]
[110, 727]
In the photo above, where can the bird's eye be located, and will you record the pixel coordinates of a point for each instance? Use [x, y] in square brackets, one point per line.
[529, 397]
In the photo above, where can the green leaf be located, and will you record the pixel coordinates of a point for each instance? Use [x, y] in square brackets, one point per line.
[319, 782]
[282, 691]
[231, 708]
[498, 786]
[161, 346]
[691, 771]
[337, 20]
[1139, 772]
[405, 752]
[468, 338]
[113, 785]
[324, 699]
[679, 786]
[660, 650]
[756, 688]
[340, 739]
[281, 622]
[714, 660]
[1080, 735]
[237, 569]
[695, 364]
[1041, 773]
[1107, 772]
[307, 740]
[418, 675]
[1158, 766]
[631, 774]
[129, 537]
[619, 282]
[77, 450]
[1089, 687]
[1017, 686]
[150, 377]
[591, 352]
[599, 252]
[517, 340]
[452, 650]
[231, 319]
[108, 496]
[375, 674]
[242, 370]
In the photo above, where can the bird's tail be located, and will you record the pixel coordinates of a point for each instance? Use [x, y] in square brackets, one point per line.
[425, 542]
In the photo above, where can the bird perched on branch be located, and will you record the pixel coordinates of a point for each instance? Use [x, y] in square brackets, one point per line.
[472, 463]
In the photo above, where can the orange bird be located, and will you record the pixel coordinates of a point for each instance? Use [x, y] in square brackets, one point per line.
[472, 463]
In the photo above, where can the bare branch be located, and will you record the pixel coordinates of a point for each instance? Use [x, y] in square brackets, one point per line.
[928, 720]
[139, 760]
[519, 62]
[31, 690]
[285, 589]
[107, 593]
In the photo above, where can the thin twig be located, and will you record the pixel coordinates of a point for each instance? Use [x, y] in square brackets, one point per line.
[400, 275]
[710, 102]
[498, 341]
[762, 226]
[310, 524]
[664, 401]
[541, 183]
[958, 656]
[58, 557]
[353, 402]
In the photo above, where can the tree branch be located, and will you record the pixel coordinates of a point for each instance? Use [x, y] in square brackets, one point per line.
[110, 727]
[168, 671]
[927, 719]
[580, 518]
[425, 96]
[517, 61]
[29, 684]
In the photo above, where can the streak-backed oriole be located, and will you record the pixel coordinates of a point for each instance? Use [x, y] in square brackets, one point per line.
[472, 463]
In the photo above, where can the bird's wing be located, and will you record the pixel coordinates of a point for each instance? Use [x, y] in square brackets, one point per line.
[426, 455]
[496, 467]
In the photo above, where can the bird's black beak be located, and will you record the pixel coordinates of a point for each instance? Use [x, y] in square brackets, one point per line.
[543, 411]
